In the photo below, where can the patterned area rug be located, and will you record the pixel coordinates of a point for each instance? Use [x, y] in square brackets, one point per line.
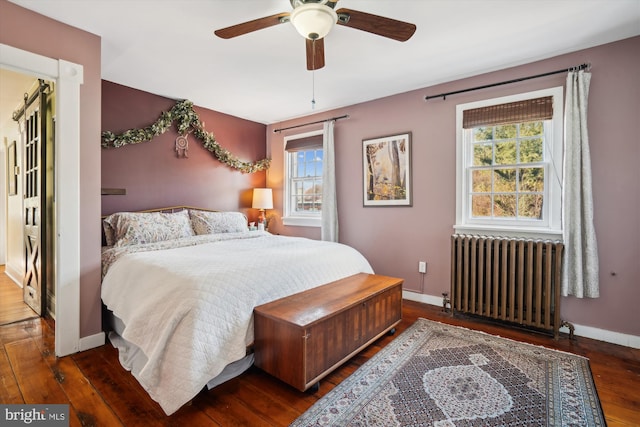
[440, 375]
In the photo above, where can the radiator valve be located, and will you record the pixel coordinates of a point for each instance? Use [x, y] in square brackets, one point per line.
[445, 301]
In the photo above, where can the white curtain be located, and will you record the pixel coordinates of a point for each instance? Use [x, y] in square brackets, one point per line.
[580, 272]
[329, 199]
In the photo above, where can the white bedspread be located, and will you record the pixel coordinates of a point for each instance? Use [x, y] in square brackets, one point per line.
[190, 309]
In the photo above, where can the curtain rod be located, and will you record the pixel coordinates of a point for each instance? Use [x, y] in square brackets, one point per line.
[444, 95]
[346, 116]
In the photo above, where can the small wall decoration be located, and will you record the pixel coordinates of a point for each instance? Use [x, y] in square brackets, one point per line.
[12, 170]
[182, 145]
[387, 170]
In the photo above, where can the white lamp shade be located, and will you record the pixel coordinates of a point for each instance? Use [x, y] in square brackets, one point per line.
[313, 21]
[262, 198]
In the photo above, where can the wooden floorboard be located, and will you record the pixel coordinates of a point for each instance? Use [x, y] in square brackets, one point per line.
[12, 305]
[100, 392]
[9, 389]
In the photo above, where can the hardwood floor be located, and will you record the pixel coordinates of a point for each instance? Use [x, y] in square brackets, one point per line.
[12, 305]
[101, 393]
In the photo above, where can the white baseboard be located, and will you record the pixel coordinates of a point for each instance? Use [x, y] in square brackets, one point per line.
[424, 298]
[14, 274]
[626, 340]
[92, 341]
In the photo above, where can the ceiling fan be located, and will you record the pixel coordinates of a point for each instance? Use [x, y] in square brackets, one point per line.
[315, 18]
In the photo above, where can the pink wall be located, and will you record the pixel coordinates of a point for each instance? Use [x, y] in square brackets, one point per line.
[395, 239]
[154, 176]
[35, 33]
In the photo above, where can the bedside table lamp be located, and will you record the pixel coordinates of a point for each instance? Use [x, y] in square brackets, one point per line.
[262, 199]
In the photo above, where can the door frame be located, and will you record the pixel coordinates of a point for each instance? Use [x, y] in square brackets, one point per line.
[68, 78]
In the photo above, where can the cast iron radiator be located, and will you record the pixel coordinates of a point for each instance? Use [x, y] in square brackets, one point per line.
[511, 280]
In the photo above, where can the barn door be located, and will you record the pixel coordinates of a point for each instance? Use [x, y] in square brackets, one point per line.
[33, 287]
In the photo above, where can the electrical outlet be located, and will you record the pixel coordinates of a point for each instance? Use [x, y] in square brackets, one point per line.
[422, 267]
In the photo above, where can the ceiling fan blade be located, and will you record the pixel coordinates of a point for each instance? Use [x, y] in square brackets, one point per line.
[250, 26]
[315, 54]
[385, 27]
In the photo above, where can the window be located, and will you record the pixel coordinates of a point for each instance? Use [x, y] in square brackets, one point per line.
[303, 179]
[509, 153]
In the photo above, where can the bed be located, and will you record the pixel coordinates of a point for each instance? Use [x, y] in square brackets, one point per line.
[180, 288]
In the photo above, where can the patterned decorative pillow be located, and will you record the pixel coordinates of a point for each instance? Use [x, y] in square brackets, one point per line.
[109, 231]
[134, 228]
[204, 222]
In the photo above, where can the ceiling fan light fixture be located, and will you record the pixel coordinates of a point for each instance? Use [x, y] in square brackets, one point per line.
[313, 20]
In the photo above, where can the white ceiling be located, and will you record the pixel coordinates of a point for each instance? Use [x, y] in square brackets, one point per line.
[167, 47]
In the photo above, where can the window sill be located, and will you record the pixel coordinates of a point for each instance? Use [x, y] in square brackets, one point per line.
[297, 221]
[527, 233]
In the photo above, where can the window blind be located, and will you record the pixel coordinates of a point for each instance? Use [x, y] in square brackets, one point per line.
[528, 110]
[301, 144]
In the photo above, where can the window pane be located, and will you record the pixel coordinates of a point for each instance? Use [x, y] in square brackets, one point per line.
[481, 181]
[531, 150]
[530, 206]
[482, 154]
[310, 155]
[307, 185]
[480, 206]
[531, 129]
[310, 200]
[505, 132]
[504, 180]
[504, 206]
[532, 179]
[483, 134]
[506, 153]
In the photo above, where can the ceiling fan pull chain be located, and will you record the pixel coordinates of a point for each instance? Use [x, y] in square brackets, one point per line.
[313, 89]
[313, 76]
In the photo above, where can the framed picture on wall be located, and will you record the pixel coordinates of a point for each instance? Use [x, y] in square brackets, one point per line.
[386, 170]
[12, 176]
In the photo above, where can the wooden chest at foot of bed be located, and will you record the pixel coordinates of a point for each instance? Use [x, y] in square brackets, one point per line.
[303, 337]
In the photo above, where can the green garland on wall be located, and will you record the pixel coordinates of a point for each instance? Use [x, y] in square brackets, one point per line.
[186, 118]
